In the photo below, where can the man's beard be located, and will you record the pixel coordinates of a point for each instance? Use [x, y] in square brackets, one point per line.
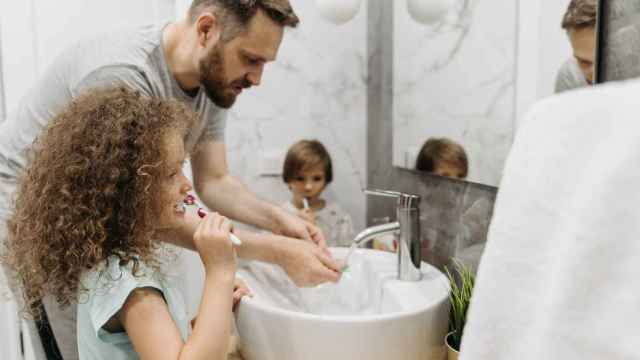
[212, 78]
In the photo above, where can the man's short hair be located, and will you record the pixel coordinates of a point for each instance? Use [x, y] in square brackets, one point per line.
[303, 155]
[439, 151]
[235, 15]
[580, 14]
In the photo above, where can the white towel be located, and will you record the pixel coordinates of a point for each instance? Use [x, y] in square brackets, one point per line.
[560, 277]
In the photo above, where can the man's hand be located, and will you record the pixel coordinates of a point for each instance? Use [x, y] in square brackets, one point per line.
[307, 215]
[292, 226]
[307, 264]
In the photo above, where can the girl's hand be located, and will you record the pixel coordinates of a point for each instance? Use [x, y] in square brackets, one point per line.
[212, 242]
[240, 289]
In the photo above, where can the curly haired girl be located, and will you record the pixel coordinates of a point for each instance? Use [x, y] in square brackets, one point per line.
[105, 182]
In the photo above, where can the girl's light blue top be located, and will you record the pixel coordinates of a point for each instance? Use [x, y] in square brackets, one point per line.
[109, 286]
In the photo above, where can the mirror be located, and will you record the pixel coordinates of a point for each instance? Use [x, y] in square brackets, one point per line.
[461, 85]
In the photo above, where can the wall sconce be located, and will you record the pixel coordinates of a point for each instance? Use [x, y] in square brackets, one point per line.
[429, 11]
[338, 11]
[423, 11]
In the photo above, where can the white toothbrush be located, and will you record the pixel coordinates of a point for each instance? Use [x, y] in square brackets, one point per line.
[191, 200]
[305, 203]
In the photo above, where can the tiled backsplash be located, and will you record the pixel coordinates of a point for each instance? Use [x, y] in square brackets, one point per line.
[454, 214]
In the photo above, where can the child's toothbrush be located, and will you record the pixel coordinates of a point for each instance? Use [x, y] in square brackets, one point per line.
[305, 203]
[191, 200]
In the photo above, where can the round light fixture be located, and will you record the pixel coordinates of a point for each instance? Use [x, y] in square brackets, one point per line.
[429, 11]
[338, 11]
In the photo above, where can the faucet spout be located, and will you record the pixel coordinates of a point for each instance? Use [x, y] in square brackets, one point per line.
[371, 233]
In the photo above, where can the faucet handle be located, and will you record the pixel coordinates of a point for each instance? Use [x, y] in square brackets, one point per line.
[404, 200]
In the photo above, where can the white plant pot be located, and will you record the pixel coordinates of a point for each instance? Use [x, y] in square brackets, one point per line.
[452, 354]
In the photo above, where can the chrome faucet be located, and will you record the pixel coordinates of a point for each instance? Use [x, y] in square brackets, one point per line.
[408, 229]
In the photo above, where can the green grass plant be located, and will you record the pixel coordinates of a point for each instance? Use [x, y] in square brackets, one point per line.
[461, 280]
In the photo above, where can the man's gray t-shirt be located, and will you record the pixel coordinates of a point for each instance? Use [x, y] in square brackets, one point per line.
[570, 76]
[133, 57]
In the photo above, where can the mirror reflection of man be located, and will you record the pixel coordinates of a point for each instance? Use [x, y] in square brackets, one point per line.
[580, 23]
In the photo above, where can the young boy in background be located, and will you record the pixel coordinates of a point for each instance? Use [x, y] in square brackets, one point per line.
[307, 171]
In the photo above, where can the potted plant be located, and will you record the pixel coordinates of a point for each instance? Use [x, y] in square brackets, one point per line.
[461, 281]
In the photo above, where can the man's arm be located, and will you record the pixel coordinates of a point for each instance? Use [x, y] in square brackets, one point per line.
[304, 262]
[224, 193]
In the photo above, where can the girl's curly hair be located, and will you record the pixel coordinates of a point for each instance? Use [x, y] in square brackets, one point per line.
[90, 192]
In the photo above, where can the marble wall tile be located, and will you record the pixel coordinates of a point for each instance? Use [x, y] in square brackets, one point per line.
[455, 215]
[456, 79]
[315, 89]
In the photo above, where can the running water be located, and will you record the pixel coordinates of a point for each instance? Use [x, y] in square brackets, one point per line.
[359, 292]
[352, 248]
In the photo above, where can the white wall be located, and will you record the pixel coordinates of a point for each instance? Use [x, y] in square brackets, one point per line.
[37, 30]
[181, 8]
[19, 69]
[9, 324]
[542, 48]
[555, 49]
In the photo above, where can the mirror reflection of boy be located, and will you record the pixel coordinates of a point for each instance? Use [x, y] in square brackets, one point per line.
[444, 157]
[307, 171]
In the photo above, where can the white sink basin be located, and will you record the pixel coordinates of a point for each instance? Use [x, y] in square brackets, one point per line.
[367, 315]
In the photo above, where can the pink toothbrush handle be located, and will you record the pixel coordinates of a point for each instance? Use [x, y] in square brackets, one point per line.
[234, 239]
